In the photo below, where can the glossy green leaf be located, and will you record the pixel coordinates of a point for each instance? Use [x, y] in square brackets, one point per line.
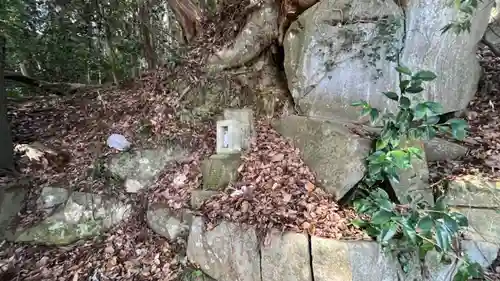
[443, 237]
[404, 85]
[399, 158]
[414, 89]
[414, 151]
[381, 217]
[461, 275]
[462, 220]
[365, 111]
[458, 123]
[404, 70]
[392, 175]
[458, 128]
[428, 132]
[450, 223]
[374, 114]
[380, 193]
[388, 232]
[431, 120]
[425, 248]
[425, 225]
[405, 102]
[440, 204]
[372, 231]
[380, 144]
[434, 107]
[443, 128]
[425, 75]
[359, 103]
[420, 111]
[391, 95]
[409, 231]
[359, 223]
[475, 270]
[375, 171]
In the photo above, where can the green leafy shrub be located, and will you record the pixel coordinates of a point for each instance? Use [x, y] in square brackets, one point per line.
[465, 10]
[417, 226]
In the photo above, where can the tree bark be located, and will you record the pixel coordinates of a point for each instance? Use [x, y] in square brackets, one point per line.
[189, 16]
[6, 144]
[147, 36]
[23, 68]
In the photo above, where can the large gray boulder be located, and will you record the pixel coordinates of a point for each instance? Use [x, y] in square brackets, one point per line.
[334, 153]
[335, 54]
[140, 168]
[451, 57]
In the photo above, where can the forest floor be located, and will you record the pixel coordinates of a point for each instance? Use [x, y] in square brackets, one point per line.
[80, 125]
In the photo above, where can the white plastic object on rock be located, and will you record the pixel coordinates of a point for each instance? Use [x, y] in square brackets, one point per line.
[118, 141]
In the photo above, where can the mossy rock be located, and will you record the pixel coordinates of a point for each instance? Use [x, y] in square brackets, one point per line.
[219, 170]
[193, 274]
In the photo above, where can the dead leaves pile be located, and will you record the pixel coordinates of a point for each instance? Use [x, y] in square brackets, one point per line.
[126, 253]
[276, 190]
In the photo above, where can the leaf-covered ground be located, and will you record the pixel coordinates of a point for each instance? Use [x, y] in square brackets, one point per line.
[275, 189]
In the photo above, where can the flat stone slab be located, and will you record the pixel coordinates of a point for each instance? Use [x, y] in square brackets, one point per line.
[165, 222]
[483, 224]
[474, 192]
[439, 149]
[479, 200]
[286, 258]
[228, 252]
[219, 170]
[336, 155]
[199, 196]
[483, 253]
[334, 260]
[231, 252]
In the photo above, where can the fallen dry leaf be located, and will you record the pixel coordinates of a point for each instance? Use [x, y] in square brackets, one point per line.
[278, 157]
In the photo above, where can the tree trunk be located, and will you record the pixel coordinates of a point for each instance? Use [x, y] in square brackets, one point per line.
[111, 54]
[108, 43]
[88, 22]
[6, 144]
[147, 37]
[189, 16]
[23, 68]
